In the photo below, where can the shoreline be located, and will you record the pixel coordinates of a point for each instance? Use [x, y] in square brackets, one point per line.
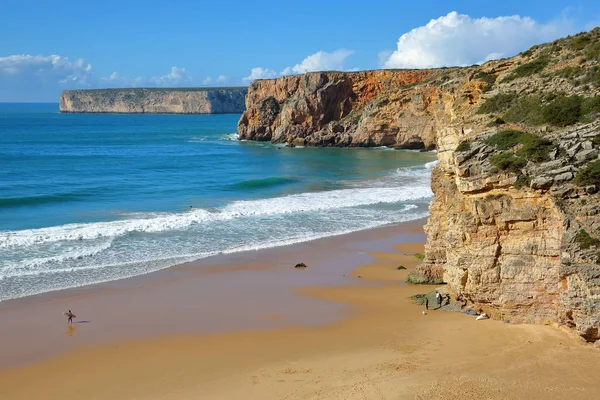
[379, 345]
[137, 307]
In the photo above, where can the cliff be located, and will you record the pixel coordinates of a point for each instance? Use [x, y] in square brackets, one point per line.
[155, 100]
[515, 221]
[369, 108]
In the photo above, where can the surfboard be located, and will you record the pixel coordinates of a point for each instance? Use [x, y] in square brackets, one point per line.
[67, 314]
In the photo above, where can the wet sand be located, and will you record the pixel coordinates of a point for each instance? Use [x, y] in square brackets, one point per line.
[263, 330]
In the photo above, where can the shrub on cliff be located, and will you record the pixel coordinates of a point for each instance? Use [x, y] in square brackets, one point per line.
[489, 80]
[585, 241]
[525, 110]
[532, 148]
[589, 175]
[465, 145]
[509, 162]
[530, 68]
[563, 111]
[580, 41]
[497, 104]
[552, 109]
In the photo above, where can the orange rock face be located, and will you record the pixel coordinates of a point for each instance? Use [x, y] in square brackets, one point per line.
[335, 109]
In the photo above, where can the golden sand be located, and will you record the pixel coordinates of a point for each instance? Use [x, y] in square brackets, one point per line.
[385, 348]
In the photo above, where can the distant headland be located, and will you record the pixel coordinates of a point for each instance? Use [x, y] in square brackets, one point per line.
[218, 100]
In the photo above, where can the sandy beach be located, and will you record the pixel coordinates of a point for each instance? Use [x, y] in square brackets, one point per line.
[249, 325]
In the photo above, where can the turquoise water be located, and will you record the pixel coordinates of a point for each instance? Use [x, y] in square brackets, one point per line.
[87, 198]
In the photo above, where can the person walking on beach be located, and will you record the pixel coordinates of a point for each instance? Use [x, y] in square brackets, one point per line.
[426, 303]
[70, 316]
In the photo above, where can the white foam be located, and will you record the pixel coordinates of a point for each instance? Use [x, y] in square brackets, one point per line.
[154, 264]
[97, 230]
[230, 136]
[320, 201]
[304, 202]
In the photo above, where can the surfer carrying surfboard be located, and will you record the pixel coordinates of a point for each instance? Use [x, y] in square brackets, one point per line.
[70, 317]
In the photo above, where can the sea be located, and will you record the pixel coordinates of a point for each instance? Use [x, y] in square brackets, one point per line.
[88, 198]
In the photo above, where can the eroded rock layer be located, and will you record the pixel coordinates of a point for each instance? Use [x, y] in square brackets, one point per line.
[170, 101]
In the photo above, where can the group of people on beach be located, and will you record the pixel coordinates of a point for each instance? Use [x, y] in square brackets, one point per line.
[439, 299]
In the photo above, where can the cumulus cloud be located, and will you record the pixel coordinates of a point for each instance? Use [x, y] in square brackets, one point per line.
[260, 73]
[457, 40]
[218, 80]
[177, 76]
[47, 69]
[319, 61]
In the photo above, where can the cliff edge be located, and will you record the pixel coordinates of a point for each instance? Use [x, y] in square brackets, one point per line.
[155, 100]
[515, 221]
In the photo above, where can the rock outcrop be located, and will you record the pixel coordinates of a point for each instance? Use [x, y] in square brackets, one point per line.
[156, 100]
[515, 222]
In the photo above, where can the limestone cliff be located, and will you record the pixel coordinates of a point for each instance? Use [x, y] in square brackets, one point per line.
[515, 222]
[156, 100]
[369, 108]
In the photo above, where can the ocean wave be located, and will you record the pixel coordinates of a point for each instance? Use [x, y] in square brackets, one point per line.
[319, 201]
[303, 202]
[37, 265]
[132, 268]
[266, 182]
[10, 202]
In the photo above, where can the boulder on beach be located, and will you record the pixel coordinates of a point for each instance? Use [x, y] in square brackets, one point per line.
[300, 265]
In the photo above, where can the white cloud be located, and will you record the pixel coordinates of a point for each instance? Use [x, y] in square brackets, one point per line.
[457, 40]
[260, 73]
[210, 81]
[321, 61]
[47, 69]
[177, 76]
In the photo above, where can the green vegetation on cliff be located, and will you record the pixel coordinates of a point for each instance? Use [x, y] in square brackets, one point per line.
[516, 149]
[589, 175]
[533, 67]
[489, 80]
[585, 241]
[530, 147]
[557, 110]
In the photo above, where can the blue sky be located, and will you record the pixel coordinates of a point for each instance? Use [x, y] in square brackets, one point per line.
[47, 45]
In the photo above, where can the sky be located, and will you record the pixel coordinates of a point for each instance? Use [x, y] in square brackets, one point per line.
[47, 46]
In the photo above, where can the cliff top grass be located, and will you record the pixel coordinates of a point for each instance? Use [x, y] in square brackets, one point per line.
[177, 89]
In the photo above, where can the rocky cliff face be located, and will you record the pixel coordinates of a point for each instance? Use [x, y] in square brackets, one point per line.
[515, 222]
[137, 100]
[370, 108]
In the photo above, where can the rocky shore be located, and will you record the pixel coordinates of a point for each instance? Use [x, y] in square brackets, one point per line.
[515, 223]
[155, 100]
